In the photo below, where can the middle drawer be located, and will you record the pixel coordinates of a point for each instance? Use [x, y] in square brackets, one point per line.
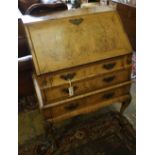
[85, 102]
[62, 92]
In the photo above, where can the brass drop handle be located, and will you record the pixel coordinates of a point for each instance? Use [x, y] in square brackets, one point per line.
[44, 82]
[68, 76]
[71, 106]
[109, 79]
[65, 90]
[109, 65]
[108, 95]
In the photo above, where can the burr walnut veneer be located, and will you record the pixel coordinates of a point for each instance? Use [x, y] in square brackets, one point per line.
[82, 62]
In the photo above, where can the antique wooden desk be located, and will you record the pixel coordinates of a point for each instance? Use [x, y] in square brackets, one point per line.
[82, 60]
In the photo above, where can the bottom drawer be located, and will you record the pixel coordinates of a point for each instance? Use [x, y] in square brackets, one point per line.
[76, 105]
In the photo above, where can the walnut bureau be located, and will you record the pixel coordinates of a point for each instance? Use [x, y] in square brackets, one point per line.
[82, 62]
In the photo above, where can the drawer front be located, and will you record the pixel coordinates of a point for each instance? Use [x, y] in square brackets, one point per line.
[65, 108]
[81, 87]
[82, 72]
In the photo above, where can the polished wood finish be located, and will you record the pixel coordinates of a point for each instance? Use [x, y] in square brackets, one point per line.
[82, 63]
[83, 86]
[89, 109]
[70, 40]
[85, 71]
[89, 100]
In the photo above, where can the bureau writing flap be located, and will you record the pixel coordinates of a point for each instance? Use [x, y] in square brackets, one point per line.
[72, 41]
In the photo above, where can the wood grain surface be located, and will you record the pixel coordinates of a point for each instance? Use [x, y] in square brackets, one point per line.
[58, 44]
[82, 63]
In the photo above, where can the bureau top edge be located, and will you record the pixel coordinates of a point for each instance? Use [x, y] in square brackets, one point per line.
[27, 19]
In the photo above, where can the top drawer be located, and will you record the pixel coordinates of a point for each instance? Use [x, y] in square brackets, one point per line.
[83, 72]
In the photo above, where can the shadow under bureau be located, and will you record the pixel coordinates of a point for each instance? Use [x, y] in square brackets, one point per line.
[82, 60]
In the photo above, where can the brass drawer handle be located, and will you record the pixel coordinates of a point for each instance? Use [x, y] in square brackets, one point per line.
[65, 90]
[109, 79]
[44, 82]
[71, 106]
[76, 21]
[68, 76]
[109, 65]
[108, 95]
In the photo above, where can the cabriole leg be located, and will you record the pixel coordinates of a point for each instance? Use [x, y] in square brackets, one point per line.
[125, 104]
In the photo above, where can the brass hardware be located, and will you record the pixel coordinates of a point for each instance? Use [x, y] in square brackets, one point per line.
[109, 79]
[71, 106]
[109, 65]
[65, 90]
[108, 95]
[76, 21]
[44, 82]
[68, 76]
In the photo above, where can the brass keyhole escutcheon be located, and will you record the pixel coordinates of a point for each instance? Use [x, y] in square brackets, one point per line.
[76, 21]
